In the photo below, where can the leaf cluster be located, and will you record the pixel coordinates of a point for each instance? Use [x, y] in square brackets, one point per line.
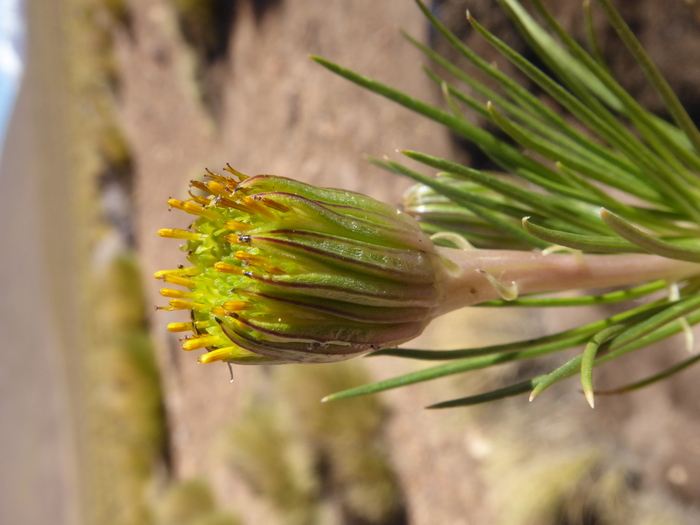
[588, 170]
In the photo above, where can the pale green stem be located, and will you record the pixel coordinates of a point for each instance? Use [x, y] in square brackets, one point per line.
[477, 276]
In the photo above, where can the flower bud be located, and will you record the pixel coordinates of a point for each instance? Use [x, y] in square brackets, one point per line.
[283, 272]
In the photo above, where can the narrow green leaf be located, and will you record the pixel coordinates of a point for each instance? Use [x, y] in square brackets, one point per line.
[657, 136]
[601, 122]
[498, 150]
[645, 241]
[565, 210]
[679, 367]
[469, 202]
[655, 77]
[587, 243]
[607, 298]
[494, 395]
[588, 357]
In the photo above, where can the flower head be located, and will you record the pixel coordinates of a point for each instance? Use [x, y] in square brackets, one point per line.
[282, 271]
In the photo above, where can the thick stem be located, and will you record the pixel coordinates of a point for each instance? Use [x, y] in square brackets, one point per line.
[532, 272]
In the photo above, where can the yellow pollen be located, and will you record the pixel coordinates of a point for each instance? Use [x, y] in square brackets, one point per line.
[181, 234]
[237, 173]
[237, 226]
[235, 306]
[180, 327]
[178, 294]
[199, 342]
[190, 271]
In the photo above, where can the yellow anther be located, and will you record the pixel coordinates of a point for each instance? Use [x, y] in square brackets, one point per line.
[228, 268]
[258, 207]
[235, 306]
[179, 281]
[236, 205]
[196, 343]
[226, 181]
[237, 238]
[178, 294]
[199, 185]
[217, 188]
[275, 205]
[193, 208]
[275, 270]
[237, 226]
[237, 173]
[250, 258]
[202, 201]
[219, 354]
[180, 327]
[181, 234]
[180, 304]
[217, 311]
[190, 271]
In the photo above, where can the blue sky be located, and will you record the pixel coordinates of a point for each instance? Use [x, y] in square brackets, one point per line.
[12, 52]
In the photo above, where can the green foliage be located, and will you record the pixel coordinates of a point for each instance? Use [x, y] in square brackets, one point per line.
[589, 170]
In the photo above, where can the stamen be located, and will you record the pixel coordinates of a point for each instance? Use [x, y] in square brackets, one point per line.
[237, 238]
[216, 355]
[190, 271]
[178, 294]
[219, 312]
[199, 342]
[237, 173]
[180, 327]
[218, 189]
[250, 258]
[176, 233]
[193, 208]
[179, 281]
[199, 185]
[203, 201]
[235, 306]
[222, 179]
[236, 205]
[180, 304]
[258, 207]
[228, 268]
[275, 205]
[275, 270]
[237, 226]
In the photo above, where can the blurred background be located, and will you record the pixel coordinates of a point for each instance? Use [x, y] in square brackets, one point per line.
[109, 107]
